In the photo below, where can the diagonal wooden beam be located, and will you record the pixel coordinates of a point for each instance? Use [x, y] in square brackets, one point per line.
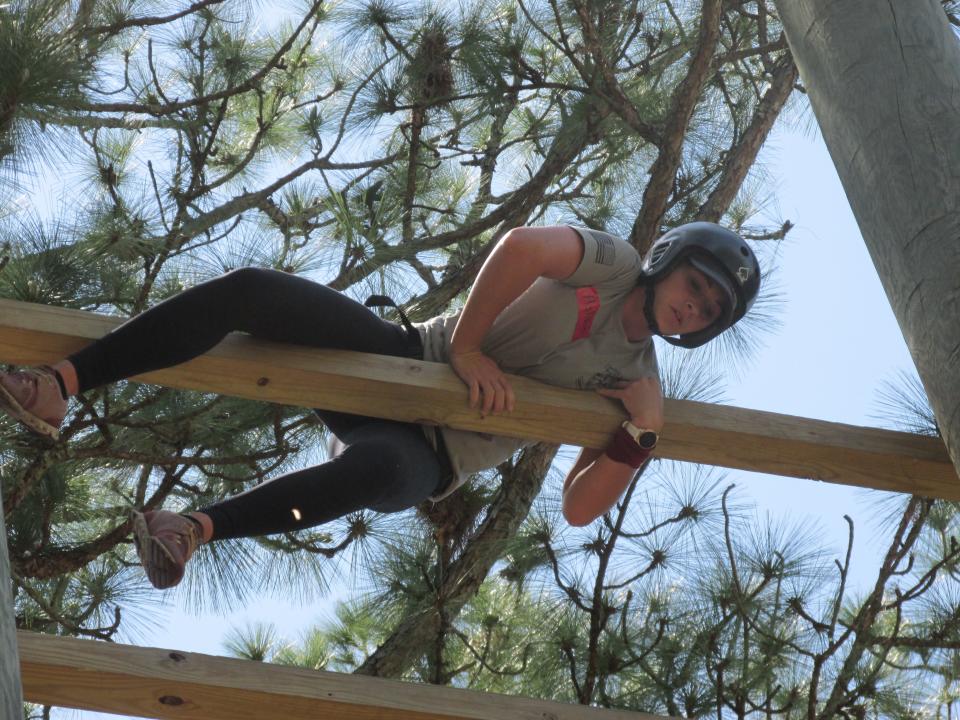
[414, 391]
[155, 683]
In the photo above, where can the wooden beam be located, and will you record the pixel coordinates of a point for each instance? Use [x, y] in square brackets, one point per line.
[11, 700]
[415, 391]
[155, 683]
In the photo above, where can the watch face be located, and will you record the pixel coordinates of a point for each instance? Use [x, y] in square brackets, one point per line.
[647, 440]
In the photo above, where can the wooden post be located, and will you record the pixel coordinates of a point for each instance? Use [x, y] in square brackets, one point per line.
[154, 683]
[415, 391]
[11, 699]
[884, 81]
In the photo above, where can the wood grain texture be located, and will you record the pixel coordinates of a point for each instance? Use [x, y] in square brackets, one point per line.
[11, 700]
[156, 683]
[883, 78]
[416, 391]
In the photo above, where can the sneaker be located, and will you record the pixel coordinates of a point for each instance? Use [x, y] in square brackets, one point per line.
[33, 397]
[165, 541]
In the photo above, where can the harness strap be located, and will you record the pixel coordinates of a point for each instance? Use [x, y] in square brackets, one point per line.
[413, 335]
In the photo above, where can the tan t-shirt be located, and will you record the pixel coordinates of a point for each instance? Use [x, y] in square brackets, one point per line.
[567, 333]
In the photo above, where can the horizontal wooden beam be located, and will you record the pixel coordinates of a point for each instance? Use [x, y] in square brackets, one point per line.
[155, 683]
[415, 391]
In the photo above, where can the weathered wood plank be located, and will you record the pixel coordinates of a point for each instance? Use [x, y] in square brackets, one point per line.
[416, 391]
[11, 700]
[156, 683]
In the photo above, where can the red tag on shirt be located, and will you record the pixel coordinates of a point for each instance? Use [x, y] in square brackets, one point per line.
[588, 303]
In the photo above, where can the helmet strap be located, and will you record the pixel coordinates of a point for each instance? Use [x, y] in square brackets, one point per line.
[648, 293]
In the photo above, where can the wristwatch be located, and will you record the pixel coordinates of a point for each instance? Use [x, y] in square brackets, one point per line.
[646, 439]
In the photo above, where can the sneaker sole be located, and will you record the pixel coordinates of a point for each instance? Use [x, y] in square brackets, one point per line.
[9, 404]
[154, 557]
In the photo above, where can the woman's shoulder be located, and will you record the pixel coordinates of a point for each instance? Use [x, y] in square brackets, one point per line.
[606, 258]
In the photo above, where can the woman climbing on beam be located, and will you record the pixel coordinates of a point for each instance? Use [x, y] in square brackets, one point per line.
[567, 306]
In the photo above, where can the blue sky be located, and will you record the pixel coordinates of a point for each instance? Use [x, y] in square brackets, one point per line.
[838, 343]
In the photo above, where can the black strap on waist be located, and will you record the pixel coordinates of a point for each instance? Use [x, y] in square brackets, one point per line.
[413, 335]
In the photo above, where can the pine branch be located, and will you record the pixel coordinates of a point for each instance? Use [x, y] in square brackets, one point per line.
[612, 92]
[43, 461]
[53, 561]
[412, 637]
[741, 157]
[176, 106]
[568, 143]
[146, 21]
[908, 531]
[100, 633]
[600, 612]
[684, 100]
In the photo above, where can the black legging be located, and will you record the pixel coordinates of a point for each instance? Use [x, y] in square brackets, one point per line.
[387, 466]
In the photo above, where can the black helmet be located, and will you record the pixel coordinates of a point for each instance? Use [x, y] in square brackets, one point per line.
[717, 252]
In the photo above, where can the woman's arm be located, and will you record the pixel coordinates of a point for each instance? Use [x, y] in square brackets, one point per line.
[521, 256]
[593, 485]
[595, 482]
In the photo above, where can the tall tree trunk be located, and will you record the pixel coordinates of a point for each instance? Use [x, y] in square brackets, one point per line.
[884, 81]
[11, 700]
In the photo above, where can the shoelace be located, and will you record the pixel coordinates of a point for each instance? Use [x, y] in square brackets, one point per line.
[189, 535]
[38, 374]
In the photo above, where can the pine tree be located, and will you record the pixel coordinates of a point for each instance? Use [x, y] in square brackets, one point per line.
[386, 147]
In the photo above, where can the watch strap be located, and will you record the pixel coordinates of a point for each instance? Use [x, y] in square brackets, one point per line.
[637, 433]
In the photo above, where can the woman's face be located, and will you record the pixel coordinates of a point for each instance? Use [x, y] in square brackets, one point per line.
[686, 301]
